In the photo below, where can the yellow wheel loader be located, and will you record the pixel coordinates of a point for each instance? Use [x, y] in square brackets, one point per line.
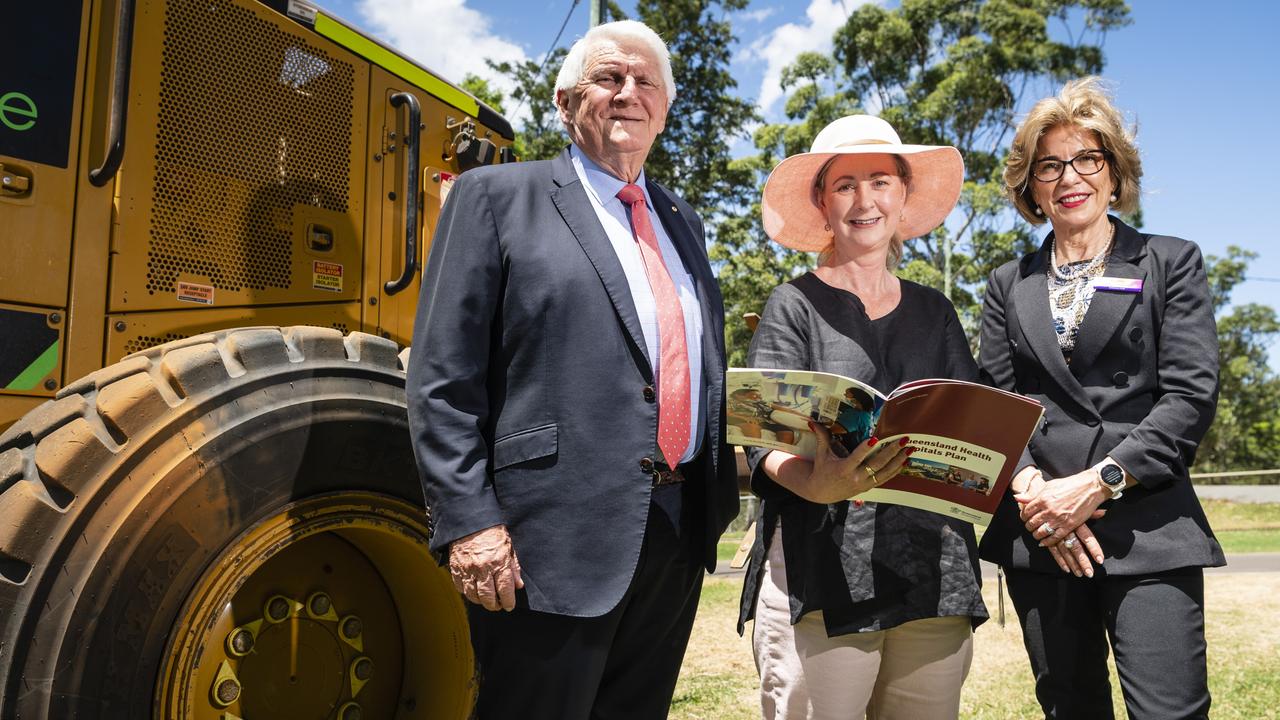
[213, 217]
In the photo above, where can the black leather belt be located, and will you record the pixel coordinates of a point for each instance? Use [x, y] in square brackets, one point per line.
[663, 475]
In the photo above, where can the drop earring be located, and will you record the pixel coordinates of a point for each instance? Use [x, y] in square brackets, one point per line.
[826, 227]
[1113, 198]
[1039, 212]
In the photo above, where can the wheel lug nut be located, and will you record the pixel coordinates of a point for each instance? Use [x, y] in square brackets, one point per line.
[240, 642]
[363, 668]
[352, 627]
[319, 604]
[227, 692]
[277, 609]
[350, 711]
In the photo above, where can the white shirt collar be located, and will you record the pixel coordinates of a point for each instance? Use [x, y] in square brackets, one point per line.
[600, 182]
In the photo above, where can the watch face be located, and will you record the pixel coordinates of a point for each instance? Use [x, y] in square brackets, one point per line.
[1112, 475]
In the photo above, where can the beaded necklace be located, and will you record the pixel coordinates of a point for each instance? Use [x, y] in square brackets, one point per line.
[1070, 291]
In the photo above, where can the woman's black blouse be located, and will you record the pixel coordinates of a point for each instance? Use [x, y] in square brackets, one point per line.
[877, 566]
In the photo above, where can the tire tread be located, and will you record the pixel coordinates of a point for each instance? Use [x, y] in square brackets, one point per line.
[53, 454]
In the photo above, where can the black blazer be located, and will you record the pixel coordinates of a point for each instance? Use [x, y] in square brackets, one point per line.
[527, 384]
[1141, 387]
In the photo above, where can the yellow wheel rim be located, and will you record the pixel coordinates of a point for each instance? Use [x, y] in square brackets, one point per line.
[330, 608]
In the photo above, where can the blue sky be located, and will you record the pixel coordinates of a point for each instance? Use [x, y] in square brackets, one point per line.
[1197, 77]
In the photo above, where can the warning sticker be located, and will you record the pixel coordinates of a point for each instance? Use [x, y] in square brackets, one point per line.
[446, 184]
[326, 276]
[193, 293]
[303, 11]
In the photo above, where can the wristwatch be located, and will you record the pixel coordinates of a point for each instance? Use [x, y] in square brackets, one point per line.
[1112, 478]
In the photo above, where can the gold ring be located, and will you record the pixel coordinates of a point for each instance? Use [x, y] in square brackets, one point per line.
[867, 469]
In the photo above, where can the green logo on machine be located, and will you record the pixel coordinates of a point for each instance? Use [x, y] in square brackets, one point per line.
[17, 111]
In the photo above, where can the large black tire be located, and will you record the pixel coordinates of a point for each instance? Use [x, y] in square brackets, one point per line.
[122, 495]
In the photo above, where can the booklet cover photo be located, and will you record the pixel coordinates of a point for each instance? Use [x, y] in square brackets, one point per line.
[968, 436]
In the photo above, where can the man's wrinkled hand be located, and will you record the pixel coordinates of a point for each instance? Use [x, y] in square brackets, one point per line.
[485, 569]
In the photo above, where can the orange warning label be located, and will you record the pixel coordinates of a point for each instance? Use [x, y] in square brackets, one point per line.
[326, 276]
[193, 293]
[446, 184]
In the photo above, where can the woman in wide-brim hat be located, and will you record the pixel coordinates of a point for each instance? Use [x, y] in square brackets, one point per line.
[859, 608]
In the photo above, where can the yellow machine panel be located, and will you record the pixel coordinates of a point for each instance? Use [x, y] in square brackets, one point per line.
[128, 334]
[40, 94]
[177, 526]
[433, 172]
[244, 183]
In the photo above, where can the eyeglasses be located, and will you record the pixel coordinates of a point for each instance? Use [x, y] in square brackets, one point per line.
[1089, 162]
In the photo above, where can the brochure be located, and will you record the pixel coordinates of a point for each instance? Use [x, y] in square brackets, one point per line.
[968, 436]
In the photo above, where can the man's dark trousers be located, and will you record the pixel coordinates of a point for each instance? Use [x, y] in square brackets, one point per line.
[623, 664]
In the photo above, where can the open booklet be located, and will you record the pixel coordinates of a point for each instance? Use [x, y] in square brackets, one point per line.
[968, 436]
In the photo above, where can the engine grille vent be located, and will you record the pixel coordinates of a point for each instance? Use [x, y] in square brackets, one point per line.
[252, 121]
[142, 342]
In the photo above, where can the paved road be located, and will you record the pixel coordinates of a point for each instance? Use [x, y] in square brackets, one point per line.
[1241, 493]
[1250, 562]
[1244, 563]
[1247, 563]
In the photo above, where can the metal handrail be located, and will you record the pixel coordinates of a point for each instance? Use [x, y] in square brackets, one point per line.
[119, 96]
[411, 195]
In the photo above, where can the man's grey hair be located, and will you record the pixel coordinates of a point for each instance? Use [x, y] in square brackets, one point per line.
[620, 31]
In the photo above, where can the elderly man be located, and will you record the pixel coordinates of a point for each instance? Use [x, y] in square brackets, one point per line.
[566, 397]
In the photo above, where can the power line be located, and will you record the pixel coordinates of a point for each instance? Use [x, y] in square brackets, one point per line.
[554, 43]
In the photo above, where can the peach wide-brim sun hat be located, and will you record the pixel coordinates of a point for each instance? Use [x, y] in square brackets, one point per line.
[790, 208]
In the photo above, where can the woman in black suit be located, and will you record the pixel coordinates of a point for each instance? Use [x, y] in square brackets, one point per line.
[1101, 536]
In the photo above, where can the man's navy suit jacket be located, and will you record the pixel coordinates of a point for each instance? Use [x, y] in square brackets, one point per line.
[527, 384]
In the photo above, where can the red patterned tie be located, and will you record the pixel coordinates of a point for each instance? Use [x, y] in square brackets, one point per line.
[673, 368]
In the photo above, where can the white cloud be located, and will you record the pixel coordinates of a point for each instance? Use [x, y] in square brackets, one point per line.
[756, 16]
[780, 47]
[444, 35]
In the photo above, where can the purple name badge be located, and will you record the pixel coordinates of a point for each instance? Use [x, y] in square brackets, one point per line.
[1131, 285]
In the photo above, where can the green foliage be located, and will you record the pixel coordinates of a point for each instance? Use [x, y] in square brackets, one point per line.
[1245, 433]
[691, 156]
[483, 91]
[542, 135]
[944, 72]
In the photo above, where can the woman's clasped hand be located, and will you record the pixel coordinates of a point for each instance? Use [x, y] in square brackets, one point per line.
[1055, 513]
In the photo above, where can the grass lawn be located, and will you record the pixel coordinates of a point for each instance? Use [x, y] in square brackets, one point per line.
[1244, 527]
[718, 679]
[1240, 527]
[728, 546]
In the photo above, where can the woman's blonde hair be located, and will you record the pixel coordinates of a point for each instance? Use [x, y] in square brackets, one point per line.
[1084, 103]
[895, 243]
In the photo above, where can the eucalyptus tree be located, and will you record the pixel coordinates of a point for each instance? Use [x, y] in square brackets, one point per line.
[947, 72]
